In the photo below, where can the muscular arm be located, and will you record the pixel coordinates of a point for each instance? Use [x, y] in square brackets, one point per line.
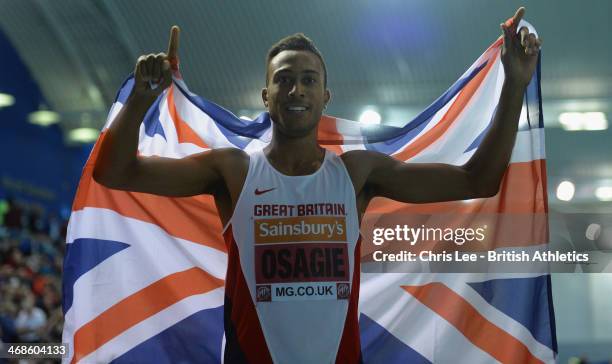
[118, 165]
[482, 174]
[435, 182]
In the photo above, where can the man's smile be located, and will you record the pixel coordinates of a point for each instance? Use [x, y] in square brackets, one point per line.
[296, 108]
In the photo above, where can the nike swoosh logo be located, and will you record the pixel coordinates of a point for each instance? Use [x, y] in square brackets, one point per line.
[261, 192]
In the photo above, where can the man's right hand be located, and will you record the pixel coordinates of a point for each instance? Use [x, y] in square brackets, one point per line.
[153, 71]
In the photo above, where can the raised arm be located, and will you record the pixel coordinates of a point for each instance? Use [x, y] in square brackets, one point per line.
[118, 165]
[482, 174]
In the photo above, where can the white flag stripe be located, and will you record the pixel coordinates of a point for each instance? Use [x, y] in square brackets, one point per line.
[529, 146]
[115, 108]
[154, 147]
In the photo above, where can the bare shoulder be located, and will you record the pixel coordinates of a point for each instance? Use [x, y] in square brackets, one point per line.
[359, 164]
[230, 155]
[361, 161]
[230, 162]
[351, 158]
[368, 168]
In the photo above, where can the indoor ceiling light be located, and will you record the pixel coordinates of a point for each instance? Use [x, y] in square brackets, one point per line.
[6, 100]
[565, 191]
[574, 121]
[604, 193]
[83, 135]
[43, 117]
[370, 117]
[595, 121]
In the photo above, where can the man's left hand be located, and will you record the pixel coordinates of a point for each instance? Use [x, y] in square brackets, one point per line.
[520, 50]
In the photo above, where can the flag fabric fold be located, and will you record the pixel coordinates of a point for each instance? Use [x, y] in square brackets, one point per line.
[144, 274]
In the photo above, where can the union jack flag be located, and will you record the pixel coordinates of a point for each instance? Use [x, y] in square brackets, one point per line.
[144, 274]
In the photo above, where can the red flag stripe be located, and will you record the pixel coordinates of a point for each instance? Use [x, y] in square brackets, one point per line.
[183, 131]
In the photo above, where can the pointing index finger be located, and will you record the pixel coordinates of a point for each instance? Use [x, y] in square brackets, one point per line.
[173, 43]
[516, 19]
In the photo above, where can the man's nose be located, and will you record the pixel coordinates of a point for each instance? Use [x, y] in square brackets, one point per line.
[297, 90]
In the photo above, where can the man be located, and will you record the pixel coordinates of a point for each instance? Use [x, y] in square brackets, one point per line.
[292, 211]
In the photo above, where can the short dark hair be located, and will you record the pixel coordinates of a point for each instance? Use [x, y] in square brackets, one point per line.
[295, 42]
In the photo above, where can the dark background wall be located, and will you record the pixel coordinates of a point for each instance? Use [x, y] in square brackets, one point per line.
[35, 165]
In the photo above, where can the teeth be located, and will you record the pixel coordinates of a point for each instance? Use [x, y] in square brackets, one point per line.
[296, 108]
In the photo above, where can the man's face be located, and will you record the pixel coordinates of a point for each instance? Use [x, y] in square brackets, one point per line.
[295, 94]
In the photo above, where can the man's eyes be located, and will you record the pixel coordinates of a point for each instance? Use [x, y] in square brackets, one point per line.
[285, 80]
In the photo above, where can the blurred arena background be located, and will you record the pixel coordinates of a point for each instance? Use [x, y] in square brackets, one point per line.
[62, 62]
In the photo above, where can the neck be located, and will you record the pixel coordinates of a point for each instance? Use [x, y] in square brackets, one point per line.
[295, 156]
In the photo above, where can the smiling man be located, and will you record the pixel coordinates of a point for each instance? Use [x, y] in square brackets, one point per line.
[292, 210]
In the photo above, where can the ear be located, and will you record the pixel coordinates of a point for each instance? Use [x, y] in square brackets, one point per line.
[327, 97]
[264, 96]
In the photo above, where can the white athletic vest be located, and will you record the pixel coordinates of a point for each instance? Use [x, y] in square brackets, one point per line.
[296, 238]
